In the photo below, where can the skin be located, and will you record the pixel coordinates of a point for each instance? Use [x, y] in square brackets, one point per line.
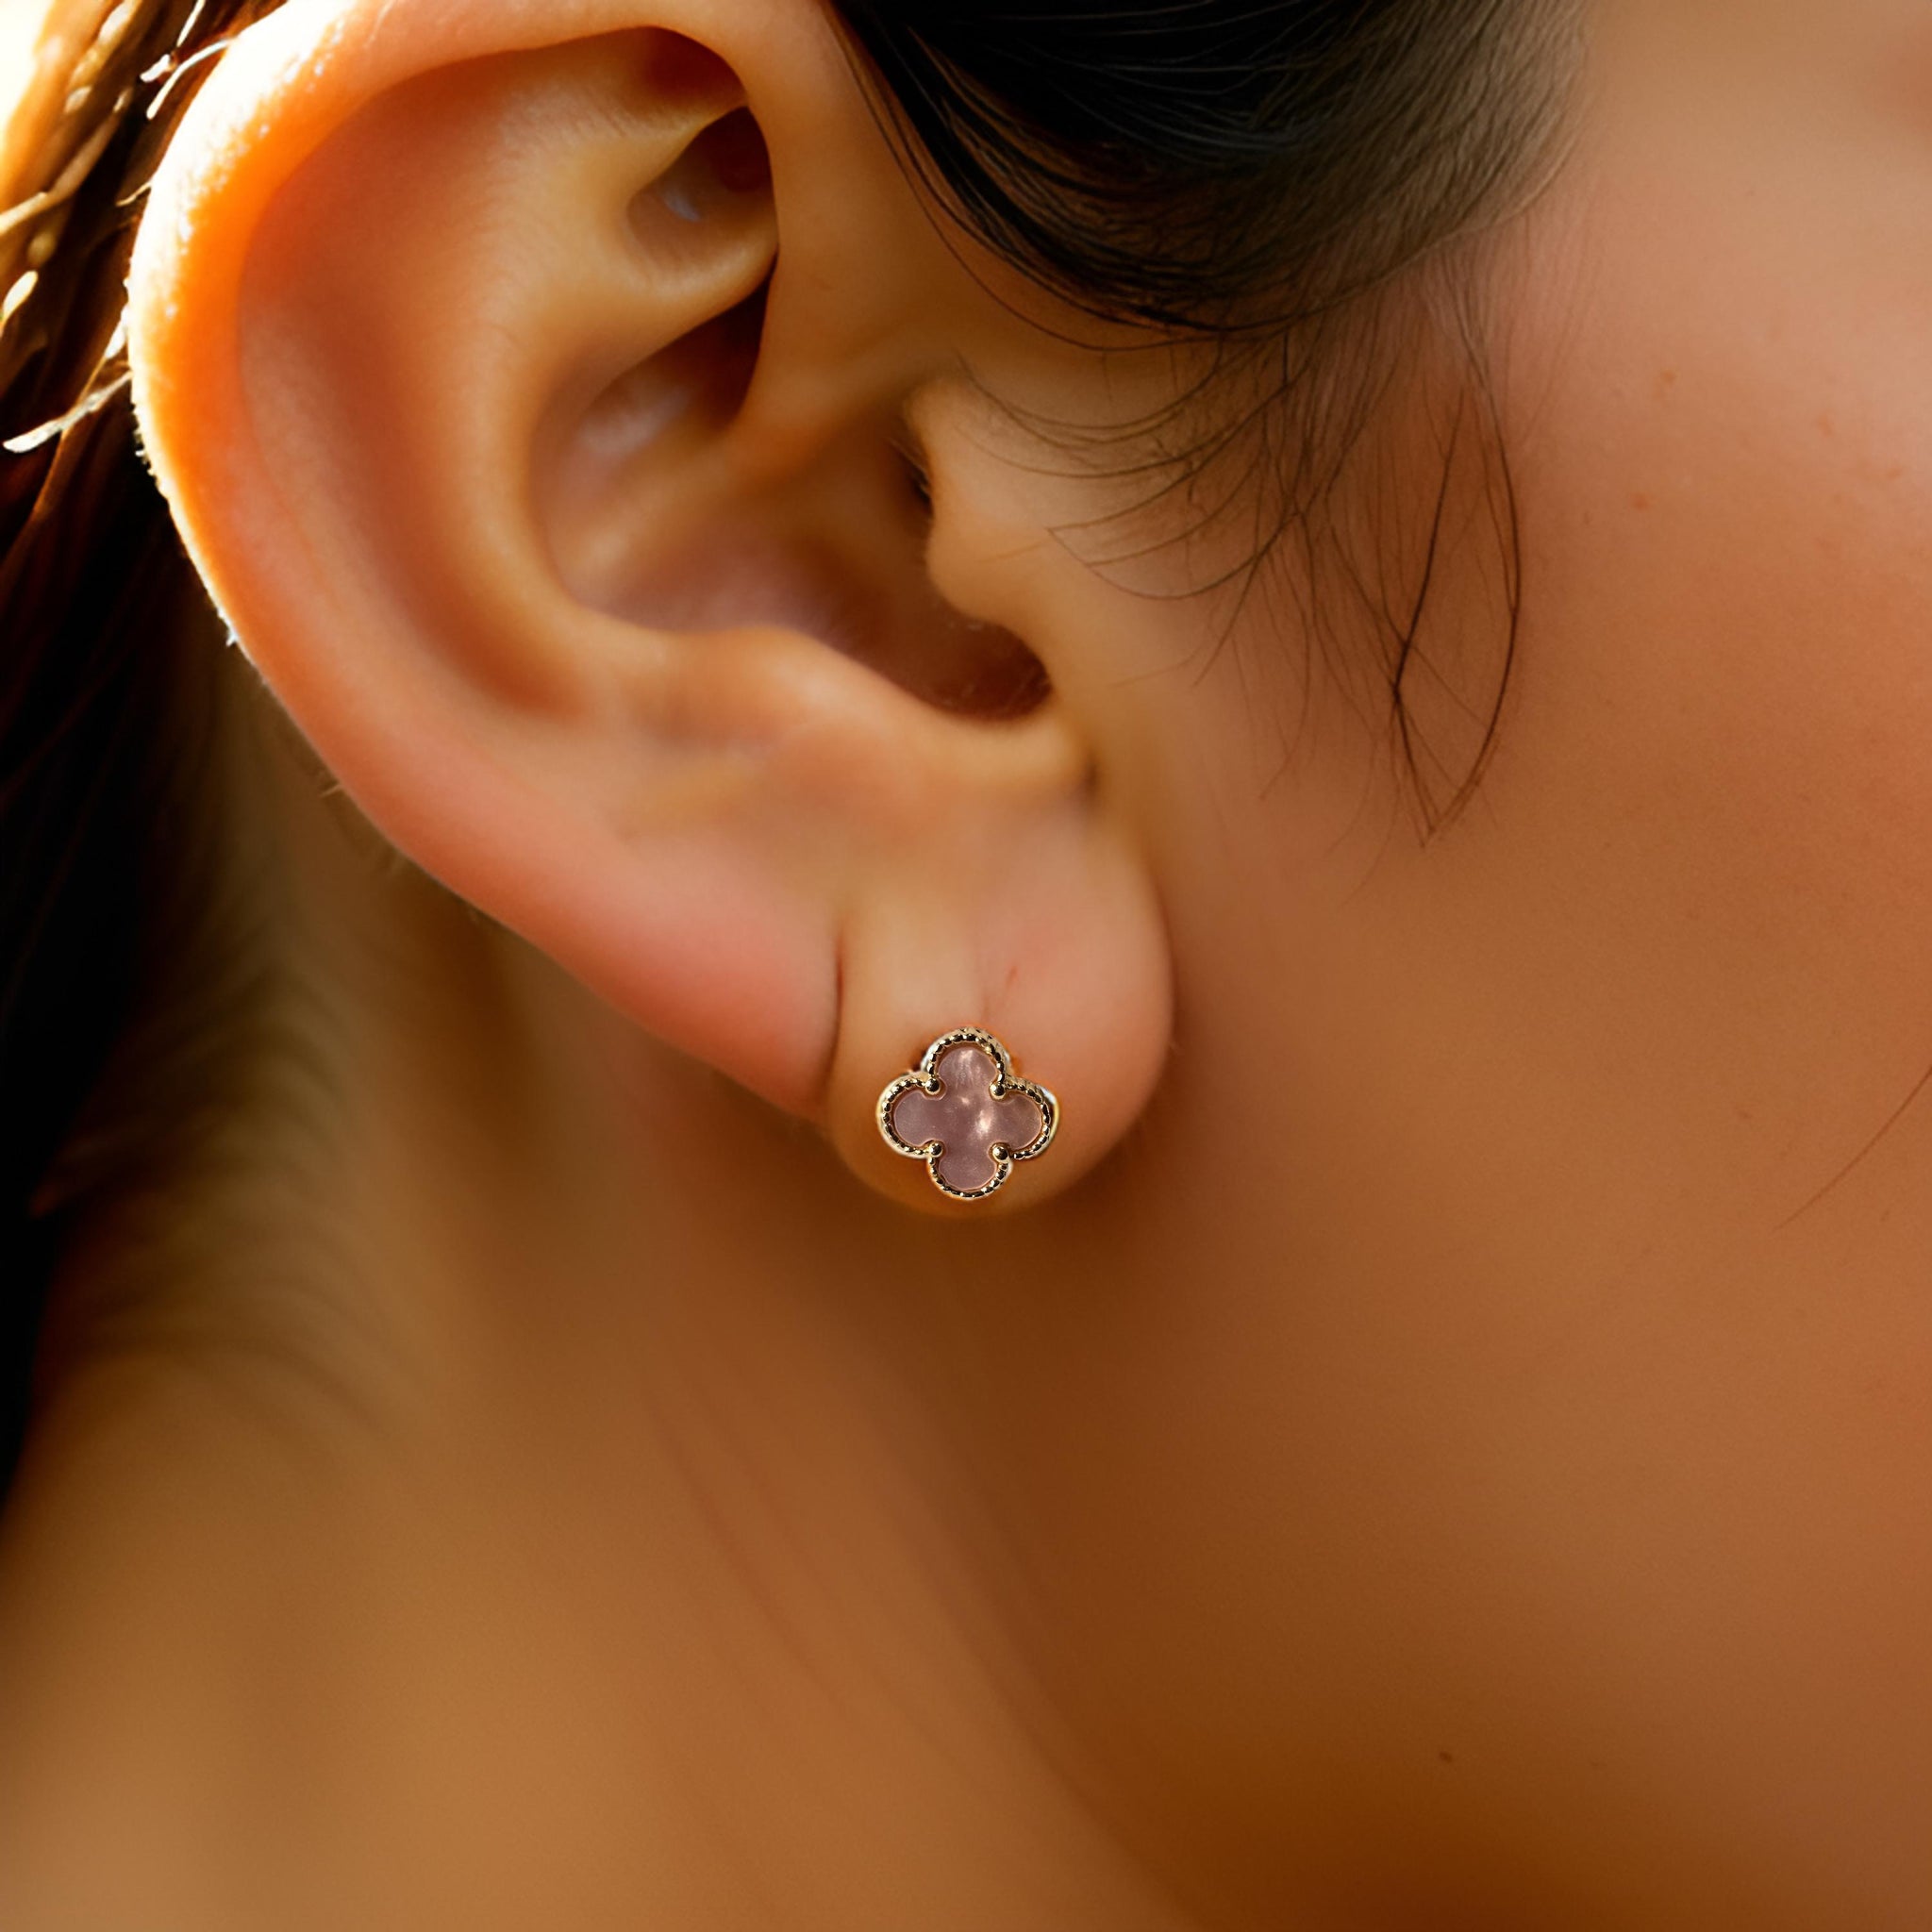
[1442, 1439]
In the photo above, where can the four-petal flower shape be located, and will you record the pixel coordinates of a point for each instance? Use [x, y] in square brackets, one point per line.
[967, 1114]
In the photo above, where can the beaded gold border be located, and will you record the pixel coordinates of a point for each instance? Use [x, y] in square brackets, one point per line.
[1005, 1081]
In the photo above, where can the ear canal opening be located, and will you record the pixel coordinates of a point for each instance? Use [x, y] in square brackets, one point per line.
[647, 525]
[976, 671]
[954, 663]
[837, 550]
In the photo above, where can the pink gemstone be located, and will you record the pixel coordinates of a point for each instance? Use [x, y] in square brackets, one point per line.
[967, 1119]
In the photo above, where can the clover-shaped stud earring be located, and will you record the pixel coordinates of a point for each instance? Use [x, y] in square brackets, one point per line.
[967, 1114]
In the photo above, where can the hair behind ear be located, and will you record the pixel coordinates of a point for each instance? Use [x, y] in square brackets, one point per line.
[104, 793]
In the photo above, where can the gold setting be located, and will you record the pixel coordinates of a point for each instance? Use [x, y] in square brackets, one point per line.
[1005, 1081]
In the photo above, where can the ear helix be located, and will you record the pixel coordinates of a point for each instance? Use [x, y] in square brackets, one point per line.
[607, 594]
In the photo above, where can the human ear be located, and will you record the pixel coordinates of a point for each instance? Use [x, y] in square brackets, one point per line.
[529, 382]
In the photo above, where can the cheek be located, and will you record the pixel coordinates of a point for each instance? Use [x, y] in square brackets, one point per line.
[1725, 461]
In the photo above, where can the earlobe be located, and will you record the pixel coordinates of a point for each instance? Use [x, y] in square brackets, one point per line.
[460, 353]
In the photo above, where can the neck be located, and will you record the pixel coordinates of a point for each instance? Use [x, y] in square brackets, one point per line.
[455, 1506]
